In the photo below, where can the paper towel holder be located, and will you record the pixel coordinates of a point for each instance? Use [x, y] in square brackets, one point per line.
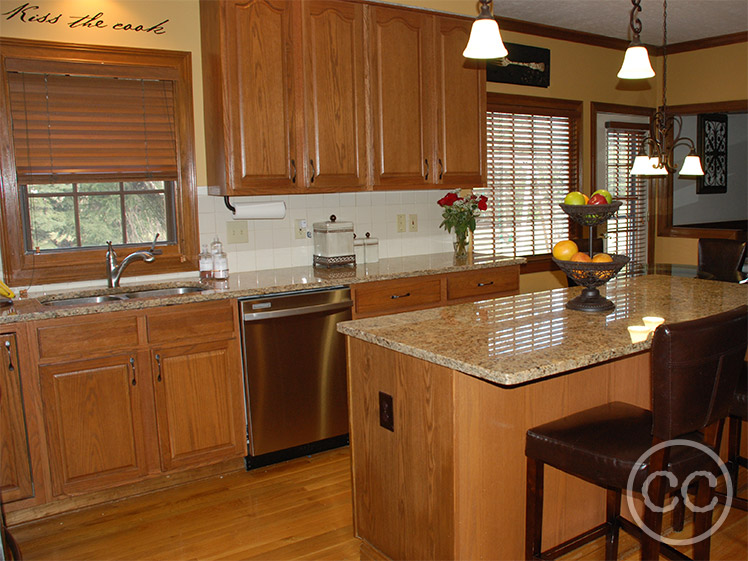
[229, 206]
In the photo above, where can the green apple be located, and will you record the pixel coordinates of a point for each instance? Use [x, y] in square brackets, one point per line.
[574, 198]
[605, 194]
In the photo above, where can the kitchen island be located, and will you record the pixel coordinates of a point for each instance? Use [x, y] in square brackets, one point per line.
[440, 401]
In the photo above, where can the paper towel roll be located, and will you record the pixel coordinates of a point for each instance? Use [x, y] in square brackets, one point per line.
[253, 211]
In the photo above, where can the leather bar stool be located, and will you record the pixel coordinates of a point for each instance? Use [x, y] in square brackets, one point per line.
[694, 372]
[721, 259]
[738, 414]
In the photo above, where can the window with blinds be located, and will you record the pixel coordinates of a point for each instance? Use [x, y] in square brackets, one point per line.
[627, 230]
[98, 146]
[532, 155]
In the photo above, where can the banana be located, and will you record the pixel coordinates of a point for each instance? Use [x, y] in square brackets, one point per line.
[6, 291]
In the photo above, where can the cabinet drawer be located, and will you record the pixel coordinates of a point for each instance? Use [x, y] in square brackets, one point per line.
[482, 282]
[397, 295]
[86, 337]
[192, 321]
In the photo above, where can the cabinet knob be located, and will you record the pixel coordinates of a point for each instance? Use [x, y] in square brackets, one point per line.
[441, 169]
[426, 177]
[293, 167]
[314, 171]
[132, 368]
[158, 363]
[10, 356]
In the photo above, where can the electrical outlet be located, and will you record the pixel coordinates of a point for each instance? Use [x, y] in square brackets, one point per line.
[401, 223]
[412, 222]
[236, 231]
[299, 228]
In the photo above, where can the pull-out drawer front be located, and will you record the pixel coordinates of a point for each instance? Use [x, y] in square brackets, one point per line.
[201, 321]
[384, 297]
[86, 336]
[482, 282]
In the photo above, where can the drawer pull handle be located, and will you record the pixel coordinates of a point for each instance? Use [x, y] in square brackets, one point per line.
[426, 177]
[396, 296]
[132, 367]
[314, 171]
[441, 169]
[293, 165]
[10, 356]
[485, 283]
[158, 363]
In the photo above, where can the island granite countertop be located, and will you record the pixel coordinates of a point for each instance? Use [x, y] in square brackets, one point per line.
[519, 339]
[253, 283]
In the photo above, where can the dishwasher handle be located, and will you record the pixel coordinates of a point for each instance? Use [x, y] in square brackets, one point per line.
[345, 304]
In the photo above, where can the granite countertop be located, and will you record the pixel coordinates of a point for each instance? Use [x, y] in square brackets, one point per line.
[249, 284]
[519, 339]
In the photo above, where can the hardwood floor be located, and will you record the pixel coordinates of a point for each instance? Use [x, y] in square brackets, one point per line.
[296, 510]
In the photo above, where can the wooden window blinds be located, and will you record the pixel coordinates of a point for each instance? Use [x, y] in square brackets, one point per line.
[532, 155]
[73, 128]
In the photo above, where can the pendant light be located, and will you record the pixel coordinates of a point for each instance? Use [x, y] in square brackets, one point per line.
[656, 154]
[636, 65]
[485, 39]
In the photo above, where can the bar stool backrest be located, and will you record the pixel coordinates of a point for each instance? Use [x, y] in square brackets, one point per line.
[695, 367]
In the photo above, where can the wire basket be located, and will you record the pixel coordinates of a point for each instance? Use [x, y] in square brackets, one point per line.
[591, 215]
[590, 276]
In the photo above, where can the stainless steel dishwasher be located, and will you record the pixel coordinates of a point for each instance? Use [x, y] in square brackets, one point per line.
[295, 376]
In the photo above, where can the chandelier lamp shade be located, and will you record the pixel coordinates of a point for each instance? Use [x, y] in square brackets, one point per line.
[656, 154]
[636, 65]
[485, 39]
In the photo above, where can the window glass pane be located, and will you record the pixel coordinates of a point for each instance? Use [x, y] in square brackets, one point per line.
[51, 188]
[145, 186]
[101, 220]
[98, 187]
[52, 223]
[145, 216]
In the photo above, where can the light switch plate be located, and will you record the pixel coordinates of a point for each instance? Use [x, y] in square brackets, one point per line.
[236, 231]
[300, 228]
[412, 223]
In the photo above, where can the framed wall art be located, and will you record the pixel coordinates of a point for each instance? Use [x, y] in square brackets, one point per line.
[712, 145]
[524, 65]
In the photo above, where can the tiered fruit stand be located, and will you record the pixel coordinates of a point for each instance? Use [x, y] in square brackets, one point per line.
[591, 274]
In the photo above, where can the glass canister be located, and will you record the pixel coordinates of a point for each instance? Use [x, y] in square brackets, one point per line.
[371, 249]
[333, 243]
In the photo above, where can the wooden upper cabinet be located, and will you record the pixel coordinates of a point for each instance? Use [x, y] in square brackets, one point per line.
[402, 97]
[334, 92]
[428, 101]
[284, 96]
[461, 107]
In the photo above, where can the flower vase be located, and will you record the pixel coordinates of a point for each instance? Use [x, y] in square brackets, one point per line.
[461, 245]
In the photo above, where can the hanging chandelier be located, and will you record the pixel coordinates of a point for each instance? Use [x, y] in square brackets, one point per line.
[656, 153]
[485, 39]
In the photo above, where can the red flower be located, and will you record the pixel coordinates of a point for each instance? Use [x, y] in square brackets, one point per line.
[448, 200]
[483, 203]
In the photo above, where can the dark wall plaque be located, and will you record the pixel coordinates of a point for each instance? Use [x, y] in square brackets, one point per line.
[712, 145]
[524, 65]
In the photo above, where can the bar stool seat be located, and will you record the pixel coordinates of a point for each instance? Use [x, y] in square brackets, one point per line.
[695, 367]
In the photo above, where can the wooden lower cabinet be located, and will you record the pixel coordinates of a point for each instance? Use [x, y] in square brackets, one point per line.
[199, 409]
[15, 468]
[173, 400]
[94, 421]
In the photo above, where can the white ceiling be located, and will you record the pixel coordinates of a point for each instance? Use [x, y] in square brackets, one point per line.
[687, 20]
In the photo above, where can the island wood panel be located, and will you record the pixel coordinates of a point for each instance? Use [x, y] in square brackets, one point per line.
[483, 492]
[402, 478]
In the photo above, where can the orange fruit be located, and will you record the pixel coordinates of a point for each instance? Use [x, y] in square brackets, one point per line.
[602, 258]
[564, 250]
[586, 198]
[580, 256]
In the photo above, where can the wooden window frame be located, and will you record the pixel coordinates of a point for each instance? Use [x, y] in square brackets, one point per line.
[27, 268]
[545, 106]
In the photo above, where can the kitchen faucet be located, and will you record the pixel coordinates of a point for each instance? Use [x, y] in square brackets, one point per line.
[114, 271]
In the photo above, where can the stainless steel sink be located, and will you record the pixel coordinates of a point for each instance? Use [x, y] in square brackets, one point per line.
[162, 292]
[104, 298]
[83, 300]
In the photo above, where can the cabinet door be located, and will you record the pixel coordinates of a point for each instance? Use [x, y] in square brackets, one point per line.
[334, 82]
[402, 83]
[15, 467]
[461, 107]
[199, 403]
[95, 433]
[264, 117]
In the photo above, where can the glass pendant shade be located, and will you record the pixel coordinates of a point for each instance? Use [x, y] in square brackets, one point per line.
[485, 40]
[644, 165]
[691, 166]
[636, 65]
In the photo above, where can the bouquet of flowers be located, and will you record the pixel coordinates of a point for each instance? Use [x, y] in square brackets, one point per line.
[459, 214]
